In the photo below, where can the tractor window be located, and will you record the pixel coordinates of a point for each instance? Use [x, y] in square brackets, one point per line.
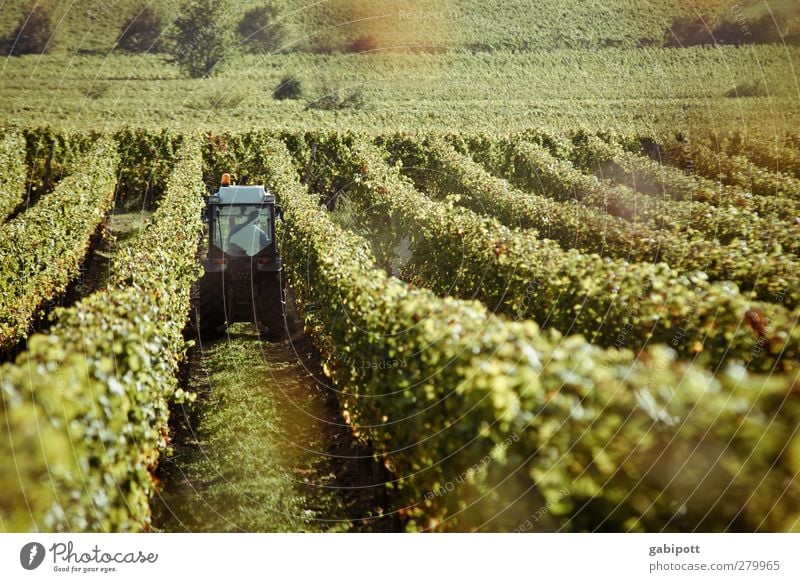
[242, 231]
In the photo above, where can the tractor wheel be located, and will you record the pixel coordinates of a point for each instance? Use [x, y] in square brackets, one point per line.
[272, 308]
[210, 308]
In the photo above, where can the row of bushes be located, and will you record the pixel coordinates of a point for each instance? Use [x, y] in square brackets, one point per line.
[776, 154]
[609, 301]
[13, 173]
[146, 160]
[87, 405]
[533, 167]
[662, 177]
[490, 420]
[52, 155]
[739, 167]
[42, 250]
[574, 226]
[753, 196]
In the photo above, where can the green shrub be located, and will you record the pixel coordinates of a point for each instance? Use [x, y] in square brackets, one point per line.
[34, 32]
[228, 97]
[749, 89]
[261, 30]
[334, 99]
[141, 33]
[366, 43]
[289, 88]
[203, 36]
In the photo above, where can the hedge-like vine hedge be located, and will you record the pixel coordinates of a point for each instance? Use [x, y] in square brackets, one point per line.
[534, 168]
[12, 174]
[770, 275]
[680, 175]
[97, 387]
[737, 170]
[610, 302]
[487, 414]
[42, 249]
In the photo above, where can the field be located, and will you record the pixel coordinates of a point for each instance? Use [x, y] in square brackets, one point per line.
[624, 90]
[532, 283]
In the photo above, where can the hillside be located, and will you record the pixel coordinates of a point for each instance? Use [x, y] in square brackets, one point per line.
[621, 89]
[331, 25]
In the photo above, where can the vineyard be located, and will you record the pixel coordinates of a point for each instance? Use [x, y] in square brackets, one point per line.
[646, 91]
[537, 331]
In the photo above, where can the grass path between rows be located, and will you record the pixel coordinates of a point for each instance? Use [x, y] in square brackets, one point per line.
[264, 448]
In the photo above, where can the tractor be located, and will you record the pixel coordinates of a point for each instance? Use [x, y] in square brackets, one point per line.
[242, 279]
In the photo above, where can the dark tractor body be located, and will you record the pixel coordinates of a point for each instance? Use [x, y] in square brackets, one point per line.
[242, 280]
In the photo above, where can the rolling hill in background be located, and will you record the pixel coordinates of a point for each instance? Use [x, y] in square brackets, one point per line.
[93, 26]
[480, 64]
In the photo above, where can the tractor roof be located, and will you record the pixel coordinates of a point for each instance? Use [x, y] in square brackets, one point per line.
[244, 195]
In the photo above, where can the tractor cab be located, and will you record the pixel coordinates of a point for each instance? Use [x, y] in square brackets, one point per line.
[241, 225]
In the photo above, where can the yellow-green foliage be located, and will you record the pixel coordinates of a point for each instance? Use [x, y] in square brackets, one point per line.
[604, 438]
[728, 243]
[41, 251]
[88, 402]
[610, 301]
[768, 168]
[626, 90]
[12, 173]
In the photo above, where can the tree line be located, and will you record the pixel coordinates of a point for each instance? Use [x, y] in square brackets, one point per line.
[202, 34]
